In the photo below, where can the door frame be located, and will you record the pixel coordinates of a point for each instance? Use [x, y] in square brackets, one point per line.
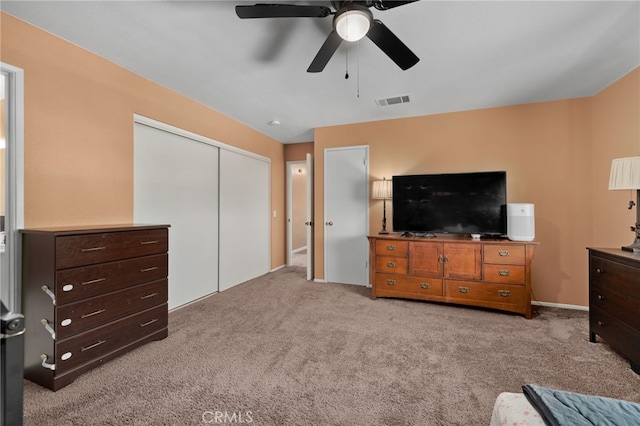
[324, 227]
[14, 181]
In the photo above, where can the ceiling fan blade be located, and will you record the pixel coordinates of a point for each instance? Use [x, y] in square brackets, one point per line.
[325, 53]
[385, 5]
[392, 45]
[262, 10]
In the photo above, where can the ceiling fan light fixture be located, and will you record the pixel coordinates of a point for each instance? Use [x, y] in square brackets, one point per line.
[353, 23]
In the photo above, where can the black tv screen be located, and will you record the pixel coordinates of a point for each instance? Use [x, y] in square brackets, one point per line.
[455, 203]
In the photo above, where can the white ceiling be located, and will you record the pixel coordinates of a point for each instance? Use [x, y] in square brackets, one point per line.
[473, 54]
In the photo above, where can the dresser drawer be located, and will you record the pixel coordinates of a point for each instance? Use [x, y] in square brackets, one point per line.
[408, 284]
[483, 292]
[397, 265]
[88, 281]
[87, 249]
[504, 254]
[608, 300]
[512, 274]
[392, 248]
[608, 274]
[81, 316]
[99, 342]
[617, 334]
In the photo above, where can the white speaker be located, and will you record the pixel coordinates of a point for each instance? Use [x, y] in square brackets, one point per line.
[520, 222]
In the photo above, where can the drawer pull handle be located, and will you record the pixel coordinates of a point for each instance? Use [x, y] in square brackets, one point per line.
[504, 293]
[391, 282]
[149, 242]
[153, 268]
[601, 297]
[503, 253]
[600, 271]
[424, 285]
[66, 322]
[45, 364]
[95, 345]
[463, 289]
[98, 312]
[148, 296]
[67, 287]
[601, 323]
[99, 280]
[144, 324]
[442, 259]
[503, 272]
[49, 293]
[92, 249]
[391, 264]
[391, 247]
[48, 328]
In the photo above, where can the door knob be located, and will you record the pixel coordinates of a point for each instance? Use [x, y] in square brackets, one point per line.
[330, 223]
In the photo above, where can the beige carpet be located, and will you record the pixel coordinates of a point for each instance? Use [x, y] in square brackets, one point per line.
[280, 350]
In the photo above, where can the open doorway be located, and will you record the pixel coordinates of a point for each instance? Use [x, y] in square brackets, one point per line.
[297, 238]
[11, 182]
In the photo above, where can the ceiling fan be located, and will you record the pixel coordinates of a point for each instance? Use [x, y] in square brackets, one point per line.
[352, 21]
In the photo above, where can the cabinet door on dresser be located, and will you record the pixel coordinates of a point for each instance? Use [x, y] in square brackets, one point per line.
[463, 261]
[90, 295]
[426, 259]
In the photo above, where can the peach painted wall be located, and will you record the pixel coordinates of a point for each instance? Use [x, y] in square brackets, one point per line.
[616, 133]
[78, 139]
[551, 152]
[297, 151]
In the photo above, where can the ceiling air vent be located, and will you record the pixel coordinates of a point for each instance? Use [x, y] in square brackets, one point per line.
[393, 101]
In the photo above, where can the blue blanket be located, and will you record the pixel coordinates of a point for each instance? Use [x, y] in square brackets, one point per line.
[561, 408]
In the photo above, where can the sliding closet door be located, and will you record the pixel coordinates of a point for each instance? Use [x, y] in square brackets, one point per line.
[176, 183]
[244, 217]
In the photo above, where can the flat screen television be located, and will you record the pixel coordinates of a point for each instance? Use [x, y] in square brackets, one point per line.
[453, 203]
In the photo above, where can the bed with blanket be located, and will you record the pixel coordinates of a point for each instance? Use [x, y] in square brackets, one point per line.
[539, 406]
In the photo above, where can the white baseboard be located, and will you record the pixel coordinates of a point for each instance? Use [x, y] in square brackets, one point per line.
[298, 250]
[316, 280]
[561, 305]
[278, 268]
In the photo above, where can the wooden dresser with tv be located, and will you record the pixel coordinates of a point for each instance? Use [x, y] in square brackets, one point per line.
[91, 294]
[485, 273]
[614, 301]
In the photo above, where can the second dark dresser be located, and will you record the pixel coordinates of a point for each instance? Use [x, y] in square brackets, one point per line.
[614, 301]
[89, 295]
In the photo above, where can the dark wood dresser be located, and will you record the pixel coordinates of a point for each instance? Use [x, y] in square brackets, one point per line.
[89, 295]
[614, 301]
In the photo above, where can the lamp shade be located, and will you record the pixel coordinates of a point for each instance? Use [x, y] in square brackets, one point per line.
[625, 173]
[382, 190]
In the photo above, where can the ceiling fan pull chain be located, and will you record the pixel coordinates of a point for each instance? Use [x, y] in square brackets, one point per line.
[346, 63]
[358, 70]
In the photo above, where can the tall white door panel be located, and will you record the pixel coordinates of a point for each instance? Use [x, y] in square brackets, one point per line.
[245, 217]
[346, 215]
[309, 217]
[176, 183]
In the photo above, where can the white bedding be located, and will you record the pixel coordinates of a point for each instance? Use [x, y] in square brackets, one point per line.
[514, 409]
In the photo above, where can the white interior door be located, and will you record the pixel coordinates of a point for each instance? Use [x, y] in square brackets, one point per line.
[346, 215]
[176, 183]
[309, 216]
